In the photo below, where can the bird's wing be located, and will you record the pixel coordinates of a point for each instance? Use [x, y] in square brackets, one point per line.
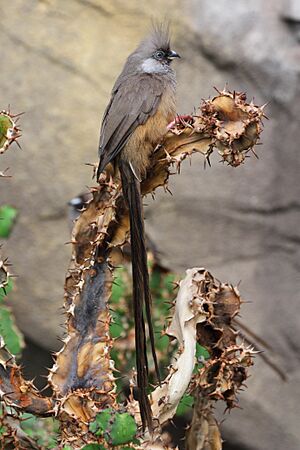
[132, 103]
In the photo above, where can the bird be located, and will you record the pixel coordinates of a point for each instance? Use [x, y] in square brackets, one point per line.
[77, 205]
[142, 104]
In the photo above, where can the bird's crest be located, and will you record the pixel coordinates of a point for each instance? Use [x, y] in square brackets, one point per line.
[158, 38]
[160, 35]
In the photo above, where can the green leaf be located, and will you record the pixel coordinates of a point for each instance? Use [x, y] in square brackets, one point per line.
[28, 422]
[201, 353]
[52, 443]
[43, 431]
[9, 331]
[169, 282]
[8, 216]
[100, 423]
[122, 430]
[185, 404]
[155, 280]
[2, 430]
[5, 123]
[116, 327]
[118, 287]
[91, 447]
[6, 289]
[162, 343]
[117, 428]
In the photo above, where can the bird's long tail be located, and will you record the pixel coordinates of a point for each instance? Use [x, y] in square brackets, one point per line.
[141, 291]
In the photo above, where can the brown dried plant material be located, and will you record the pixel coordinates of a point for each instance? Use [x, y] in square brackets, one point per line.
[204, 433]
[4, 274]
[18, 393]
[227, 123]
[12, 435]
[82, 377]
[221, 377]
[15, 391]
[9, 433]
[204, 310]
[187, 314]
[226, 370]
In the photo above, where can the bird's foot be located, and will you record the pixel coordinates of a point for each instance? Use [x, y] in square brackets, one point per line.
[185, 121]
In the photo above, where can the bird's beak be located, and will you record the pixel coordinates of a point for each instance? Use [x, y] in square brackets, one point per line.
[172, 54]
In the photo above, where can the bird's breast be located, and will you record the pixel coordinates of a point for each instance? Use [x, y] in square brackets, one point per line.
[147, 136]
[156, 125]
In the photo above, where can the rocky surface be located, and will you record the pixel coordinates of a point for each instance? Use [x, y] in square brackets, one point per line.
[59, 60]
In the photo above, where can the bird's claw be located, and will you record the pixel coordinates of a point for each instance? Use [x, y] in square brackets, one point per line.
[184, 120]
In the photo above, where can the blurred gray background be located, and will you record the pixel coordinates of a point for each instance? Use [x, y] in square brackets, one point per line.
[59, 60]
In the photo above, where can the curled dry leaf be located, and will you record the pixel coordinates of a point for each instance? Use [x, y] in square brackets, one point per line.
[188, 312]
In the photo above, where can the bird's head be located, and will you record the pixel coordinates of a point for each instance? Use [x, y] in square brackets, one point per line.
[164, 55]
[154, 52]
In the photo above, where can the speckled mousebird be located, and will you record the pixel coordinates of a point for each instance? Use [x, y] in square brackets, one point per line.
[142, 104]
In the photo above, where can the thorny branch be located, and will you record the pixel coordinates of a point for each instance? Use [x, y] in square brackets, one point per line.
[16, 393]
[82, 376]
[83, 379]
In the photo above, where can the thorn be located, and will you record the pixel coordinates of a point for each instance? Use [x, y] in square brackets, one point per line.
[18, 144]
[255, 154]
[168, 190]
[216, 89]
[17, 115]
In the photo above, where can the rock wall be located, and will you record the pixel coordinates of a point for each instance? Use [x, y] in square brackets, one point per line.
[59, 60]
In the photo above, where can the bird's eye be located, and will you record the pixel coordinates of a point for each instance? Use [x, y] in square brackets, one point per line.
[159, 54]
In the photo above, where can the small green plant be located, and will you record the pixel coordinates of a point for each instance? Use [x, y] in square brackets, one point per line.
[43, 431]
[8, 330]
[9, 131]
[8, 216]
[116, 428]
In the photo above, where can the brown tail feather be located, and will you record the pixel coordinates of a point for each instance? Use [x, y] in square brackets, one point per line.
[141, 290]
